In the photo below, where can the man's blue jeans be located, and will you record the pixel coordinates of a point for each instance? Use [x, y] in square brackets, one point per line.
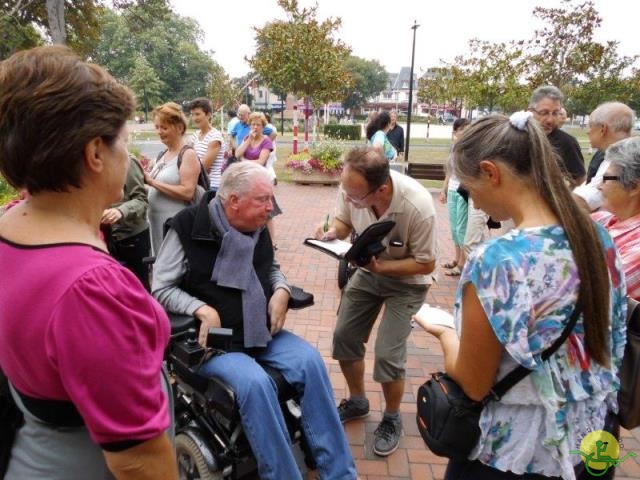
[302, 366]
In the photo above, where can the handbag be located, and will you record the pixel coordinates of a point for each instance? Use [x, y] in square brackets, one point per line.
[448, 419]
[203, 179]
[629, 394]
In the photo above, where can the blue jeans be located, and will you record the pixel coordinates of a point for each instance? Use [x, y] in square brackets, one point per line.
[264, 426]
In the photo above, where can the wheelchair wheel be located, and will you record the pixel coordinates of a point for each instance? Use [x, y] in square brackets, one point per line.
[191, 463]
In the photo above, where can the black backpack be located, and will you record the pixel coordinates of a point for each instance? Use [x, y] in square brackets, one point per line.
[203, 178]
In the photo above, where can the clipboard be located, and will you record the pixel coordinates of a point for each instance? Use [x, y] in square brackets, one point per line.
[367, 245]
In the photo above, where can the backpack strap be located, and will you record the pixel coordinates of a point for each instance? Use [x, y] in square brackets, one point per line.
[182, 150]
[161, 154]
[520, 372]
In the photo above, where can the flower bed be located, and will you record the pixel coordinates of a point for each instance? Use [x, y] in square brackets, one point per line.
[324, 158]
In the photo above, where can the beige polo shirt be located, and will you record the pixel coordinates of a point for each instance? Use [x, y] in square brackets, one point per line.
[415, 230]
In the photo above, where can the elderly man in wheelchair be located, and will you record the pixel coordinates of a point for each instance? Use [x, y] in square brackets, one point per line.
[217, 264]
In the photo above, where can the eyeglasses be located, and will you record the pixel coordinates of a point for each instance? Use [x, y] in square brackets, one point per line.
[264, 199]
[610, 177]
[355, 199]
[546, 113]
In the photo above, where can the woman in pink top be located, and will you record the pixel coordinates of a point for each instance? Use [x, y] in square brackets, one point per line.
[257, 147]
[81, 342]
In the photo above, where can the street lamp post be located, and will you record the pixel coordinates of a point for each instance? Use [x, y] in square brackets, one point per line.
[413, 54]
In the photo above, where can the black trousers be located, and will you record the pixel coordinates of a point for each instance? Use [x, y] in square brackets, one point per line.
[130, 252]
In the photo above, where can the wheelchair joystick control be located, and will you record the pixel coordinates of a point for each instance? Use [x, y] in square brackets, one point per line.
[191, 337]
[189, 351]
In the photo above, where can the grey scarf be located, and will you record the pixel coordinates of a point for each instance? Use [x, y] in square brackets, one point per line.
[234, 269]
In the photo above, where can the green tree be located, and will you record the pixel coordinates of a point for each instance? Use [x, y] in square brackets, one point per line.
[432, 86]
[564, 50]
[493, 73]
[74, 22]
[16, 36]
[144, 81]
[222, 91]
[168, 43]
[301, 56]
[368, 77]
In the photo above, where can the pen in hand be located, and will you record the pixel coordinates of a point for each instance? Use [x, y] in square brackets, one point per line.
[326, 224]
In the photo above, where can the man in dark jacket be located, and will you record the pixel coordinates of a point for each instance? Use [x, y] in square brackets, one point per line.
[546, 106]
[395, 135]
[216, 263]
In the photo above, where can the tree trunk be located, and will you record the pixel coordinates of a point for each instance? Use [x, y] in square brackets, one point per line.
[55, 11]
[306, 121]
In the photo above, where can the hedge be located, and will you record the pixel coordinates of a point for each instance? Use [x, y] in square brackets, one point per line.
[343, 132]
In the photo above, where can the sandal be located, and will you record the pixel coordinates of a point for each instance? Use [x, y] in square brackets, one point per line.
[454, 272]
[451, 264]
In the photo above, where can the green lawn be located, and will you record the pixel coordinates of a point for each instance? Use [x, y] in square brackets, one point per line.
[425, 151]
[433, 150]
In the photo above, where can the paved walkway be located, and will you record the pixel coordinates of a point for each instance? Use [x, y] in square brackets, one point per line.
[306, 206]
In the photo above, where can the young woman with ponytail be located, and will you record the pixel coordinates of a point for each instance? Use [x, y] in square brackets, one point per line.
[516, 295]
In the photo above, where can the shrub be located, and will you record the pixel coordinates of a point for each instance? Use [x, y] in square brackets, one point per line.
[6, 191]
[343, 132]
[325, 156]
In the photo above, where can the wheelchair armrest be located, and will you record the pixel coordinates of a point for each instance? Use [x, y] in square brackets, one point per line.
[180, 322]
[299, 298]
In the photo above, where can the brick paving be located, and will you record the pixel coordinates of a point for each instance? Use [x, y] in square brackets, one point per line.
[305, 207]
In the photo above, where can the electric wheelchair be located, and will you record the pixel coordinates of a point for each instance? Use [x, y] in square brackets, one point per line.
[210, 442]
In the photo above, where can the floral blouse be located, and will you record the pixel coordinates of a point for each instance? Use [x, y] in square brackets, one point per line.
[528, 283]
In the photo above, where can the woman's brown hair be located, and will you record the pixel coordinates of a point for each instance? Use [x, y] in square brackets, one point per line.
[51, 105]
[530, 156]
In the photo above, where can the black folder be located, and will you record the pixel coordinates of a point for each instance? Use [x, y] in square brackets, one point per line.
[368, 244]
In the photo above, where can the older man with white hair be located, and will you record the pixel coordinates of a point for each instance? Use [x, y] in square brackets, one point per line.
[217, 264]
[609, 123]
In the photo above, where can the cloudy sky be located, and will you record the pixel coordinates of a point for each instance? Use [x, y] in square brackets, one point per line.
[381, 30]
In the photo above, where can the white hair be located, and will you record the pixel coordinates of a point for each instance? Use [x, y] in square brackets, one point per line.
[616, 115]
[239, 178]
[625, 155]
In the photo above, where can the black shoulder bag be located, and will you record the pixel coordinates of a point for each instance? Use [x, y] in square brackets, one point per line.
[629, 393]
[448, 419]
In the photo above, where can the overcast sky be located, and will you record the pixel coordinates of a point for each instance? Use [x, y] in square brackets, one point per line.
[381, 30]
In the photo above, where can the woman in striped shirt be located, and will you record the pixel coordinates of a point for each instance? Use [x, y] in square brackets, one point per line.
[207, 141]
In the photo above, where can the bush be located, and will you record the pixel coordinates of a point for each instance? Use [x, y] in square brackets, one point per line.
[343, 132]
[6, 192]
[325, 156]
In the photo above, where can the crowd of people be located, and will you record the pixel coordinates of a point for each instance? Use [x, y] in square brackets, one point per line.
[81, 303]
